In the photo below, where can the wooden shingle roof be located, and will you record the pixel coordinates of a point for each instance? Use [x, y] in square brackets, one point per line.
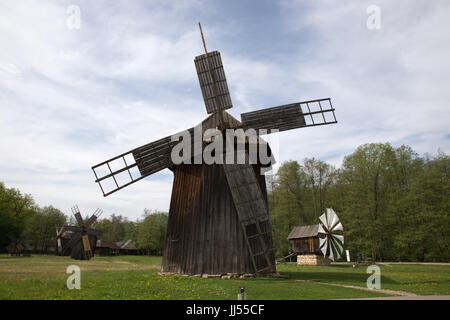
[126, 244]
[304, 232]
[107, 244]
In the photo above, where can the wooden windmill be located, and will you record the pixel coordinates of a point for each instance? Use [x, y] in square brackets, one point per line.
[60, 237]
[83, 238]
[218, 217]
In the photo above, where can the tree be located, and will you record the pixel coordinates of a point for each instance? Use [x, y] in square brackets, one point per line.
[15, 208]
[367, 176]
[320, 177]
[40, 228]
[112, 229]
[151, 232]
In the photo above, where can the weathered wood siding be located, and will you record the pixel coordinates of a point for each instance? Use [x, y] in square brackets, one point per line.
[204, 235]
[78, 250]
[305, 245]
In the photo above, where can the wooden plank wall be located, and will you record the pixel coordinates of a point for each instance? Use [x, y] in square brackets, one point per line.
[204, 235]
[305, 245]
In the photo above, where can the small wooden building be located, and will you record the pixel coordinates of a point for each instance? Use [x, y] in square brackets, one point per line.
[127, 247]
[304, 239]
[304, 242]
[107, 248]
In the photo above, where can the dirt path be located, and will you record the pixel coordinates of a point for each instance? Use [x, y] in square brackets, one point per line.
[390, 292]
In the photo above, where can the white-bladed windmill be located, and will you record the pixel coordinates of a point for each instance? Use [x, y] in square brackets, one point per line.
[218, 217]
[83, 238]
[331, 238]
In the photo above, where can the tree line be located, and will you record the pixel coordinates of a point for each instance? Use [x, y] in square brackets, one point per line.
[394, 205]
[22, 219]
[147, 233]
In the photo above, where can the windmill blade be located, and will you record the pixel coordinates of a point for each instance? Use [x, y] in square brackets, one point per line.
[90, 221]
[94, 232]
[129, 167]
[321, 229]
[323, 223]
[291, 116]
[327, 219]
[280, 118]
[337, 248]
[97, 213]
[332, 219]
[79, 218]
[59, 248]
[330, 249]
[253, 214]
[339, 239]
[77, 214]
[337, 227]
[323, 245]
[332, 244]
[59, 232]
[213, 82]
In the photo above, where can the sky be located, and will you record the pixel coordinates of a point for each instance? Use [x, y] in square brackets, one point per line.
[83, 81]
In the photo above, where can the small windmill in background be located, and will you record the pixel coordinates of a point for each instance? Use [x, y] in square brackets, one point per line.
[317, 244]
[218, 219]
[331, 235]
[83, 239]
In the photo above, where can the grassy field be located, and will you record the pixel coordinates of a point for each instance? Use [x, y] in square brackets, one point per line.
[136, 277]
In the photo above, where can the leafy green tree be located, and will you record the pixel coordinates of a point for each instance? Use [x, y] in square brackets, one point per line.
[15, 208]
[40, 228]
[367, 176]
[112, 228]
[151, 232]
[320, 176]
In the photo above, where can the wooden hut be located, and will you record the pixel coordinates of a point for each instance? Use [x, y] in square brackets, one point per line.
[304, 241]
[107, 248]
[127, 247]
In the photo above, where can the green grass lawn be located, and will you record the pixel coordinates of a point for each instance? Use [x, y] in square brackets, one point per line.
[136, 277]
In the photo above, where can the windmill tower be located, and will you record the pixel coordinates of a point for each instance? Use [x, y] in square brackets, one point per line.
[83, 238]
[218, 218]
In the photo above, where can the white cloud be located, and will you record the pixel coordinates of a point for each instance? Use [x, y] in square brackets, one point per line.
[72, 98]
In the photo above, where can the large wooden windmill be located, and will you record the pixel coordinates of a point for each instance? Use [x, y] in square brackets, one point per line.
[218, 217]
